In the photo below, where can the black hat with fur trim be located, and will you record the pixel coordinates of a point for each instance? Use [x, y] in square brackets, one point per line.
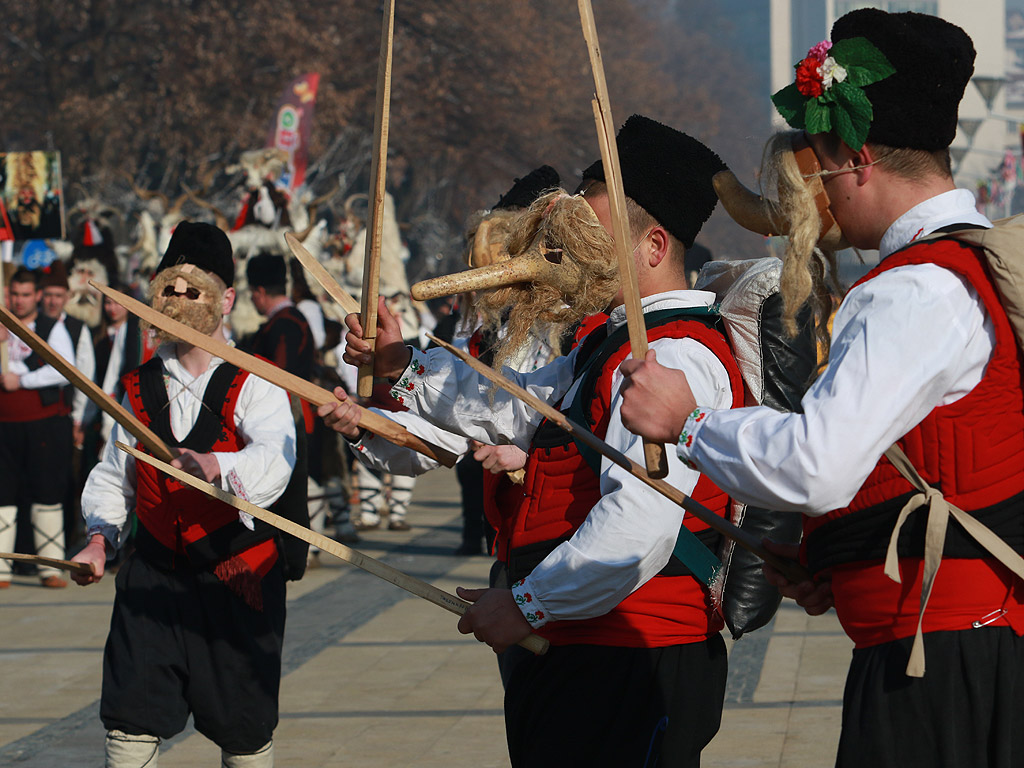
[667, 173]
[527, 189]
[917, 106]
[266, 270]
[201, 244]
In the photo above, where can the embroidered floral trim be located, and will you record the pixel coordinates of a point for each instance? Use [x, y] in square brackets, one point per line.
[689, 431]
[533, 614]
[407, 383]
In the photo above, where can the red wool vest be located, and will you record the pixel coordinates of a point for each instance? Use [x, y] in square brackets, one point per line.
[561, 488]
[973, 452]
[186, 521]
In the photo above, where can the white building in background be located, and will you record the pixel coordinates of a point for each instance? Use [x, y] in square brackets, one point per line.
[986, 130]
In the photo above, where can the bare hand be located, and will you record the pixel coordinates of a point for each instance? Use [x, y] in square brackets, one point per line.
[494, 618]
[94, 553]
[342, 416]
[78, 434]
[815, 597]
[202, 465]
[390, 354]
[655, 400]
[500, 458]
[10, 382]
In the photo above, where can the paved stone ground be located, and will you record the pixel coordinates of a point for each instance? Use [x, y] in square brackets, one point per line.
[376, 678]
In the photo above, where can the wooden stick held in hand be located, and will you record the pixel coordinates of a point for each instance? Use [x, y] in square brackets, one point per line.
[65, 565]
[381, 570]
[654, 454]
[378, 176]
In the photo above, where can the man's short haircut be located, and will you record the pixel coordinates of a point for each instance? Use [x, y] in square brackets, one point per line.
[26, 275]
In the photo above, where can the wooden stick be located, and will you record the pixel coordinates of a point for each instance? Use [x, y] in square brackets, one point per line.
[792, 570]
[321, 275]
[381, 570]
[267, 371]
[378, 178]
[64, 565]
[654, 454]
[105, 402]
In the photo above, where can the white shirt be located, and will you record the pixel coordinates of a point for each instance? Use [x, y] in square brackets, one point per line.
[85, 362]
[629, 534]
[46, 375]
[909, 340]
[259, 472]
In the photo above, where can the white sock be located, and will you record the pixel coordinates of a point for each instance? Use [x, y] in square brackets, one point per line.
[8, 528]
[262, 758]
[131, 751]
[48, 533]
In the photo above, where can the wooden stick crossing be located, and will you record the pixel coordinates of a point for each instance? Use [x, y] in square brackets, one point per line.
[381, 570]
[299, 387]
[321, 275]
[64, 565]
[792, 570]
[105, 402]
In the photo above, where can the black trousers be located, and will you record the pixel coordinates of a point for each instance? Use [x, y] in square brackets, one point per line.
[181, 642]
[965, 711]
[587, 706]
[35, 461]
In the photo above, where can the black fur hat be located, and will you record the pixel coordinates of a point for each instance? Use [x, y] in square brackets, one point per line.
[667, 173]
[934, 60]
[204, 245]
[527, 189]
[266, 270]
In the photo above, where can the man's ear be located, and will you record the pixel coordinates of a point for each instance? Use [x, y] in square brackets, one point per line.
[865, 158]
[660, 246]
[228, 301]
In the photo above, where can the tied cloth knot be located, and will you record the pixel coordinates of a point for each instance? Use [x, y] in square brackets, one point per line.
[939, 512]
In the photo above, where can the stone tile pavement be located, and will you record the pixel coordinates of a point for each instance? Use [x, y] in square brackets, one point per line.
[376, 678]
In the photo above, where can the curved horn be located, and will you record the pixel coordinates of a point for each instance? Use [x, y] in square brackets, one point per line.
[748, 209]
[484, 251]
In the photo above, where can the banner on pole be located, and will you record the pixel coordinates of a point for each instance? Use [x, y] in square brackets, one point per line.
[293, 122]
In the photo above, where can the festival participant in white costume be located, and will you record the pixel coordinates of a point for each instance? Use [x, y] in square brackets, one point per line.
[923, 357]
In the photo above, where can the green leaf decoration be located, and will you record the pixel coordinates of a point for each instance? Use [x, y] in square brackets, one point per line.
[790, 103]
[817, 117]
[864, 63]
[853, 115]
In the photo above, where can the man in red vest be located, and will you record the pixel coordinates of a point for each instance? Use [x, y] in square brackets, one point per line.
[923, 357]
[637, 668]
[198, 620]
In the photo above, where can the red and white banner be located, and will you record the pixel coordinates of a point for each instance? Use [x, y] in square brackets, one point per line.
[293, 122]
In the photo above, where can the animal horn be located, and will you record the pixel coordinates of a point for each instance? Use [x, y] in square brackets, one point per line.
[748, 209]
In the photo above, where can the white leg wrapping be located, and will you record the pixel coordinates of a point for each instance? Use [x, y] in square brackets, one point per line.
[401, 495]
[130, 751]
[48, 532]
[8, 527]
[263, 758]
[371, 495]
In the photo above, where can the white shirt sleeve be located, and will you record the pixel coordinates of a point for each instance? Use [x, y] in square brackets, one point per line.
[630, 533]
[376, 452]
[109, 493]
[909, 340]
[447, 392]
[260, 471]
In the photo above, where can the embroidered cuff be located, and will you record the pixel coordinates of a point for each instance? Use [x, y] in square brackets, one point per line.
[686, 438]
[411, 377]
[234, 483]
[528, 603]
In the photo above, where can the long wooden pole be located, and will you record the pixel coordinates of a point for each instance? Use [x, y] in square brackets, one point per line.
[792, 570]
[381, 570]
[654, 454]
[321, 275]
[105, 402]
[378, 178]
[299, 387]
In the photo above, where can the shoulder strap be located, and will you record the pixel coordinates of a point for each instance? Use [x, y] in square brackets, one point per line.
[44, 327]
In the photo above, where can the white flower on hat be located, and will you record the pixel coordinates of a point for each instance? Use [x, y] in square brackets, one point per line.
[830, 70]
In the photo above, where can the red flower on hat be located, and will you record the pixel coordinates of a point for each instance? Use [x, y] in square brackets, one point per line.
[808, 77]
